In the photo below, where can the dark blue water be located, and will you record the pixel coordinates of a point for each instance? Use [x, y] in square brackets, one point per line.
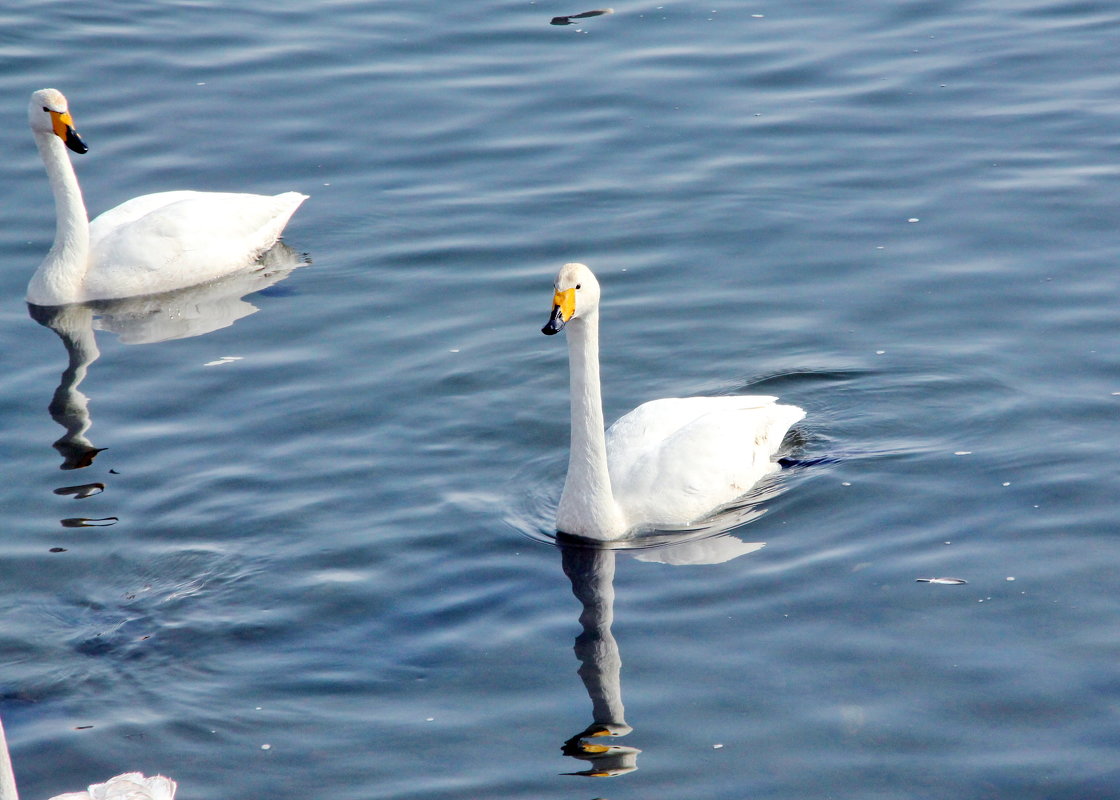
[321, 562]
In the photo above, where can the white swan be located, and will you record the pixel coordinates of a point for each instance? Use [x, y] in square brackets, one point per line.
[130, 786]
[668, 462]
[153, 243]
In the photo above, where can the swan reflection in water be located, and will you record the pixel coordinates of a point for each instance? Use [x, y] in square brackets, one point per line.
[142, 320]
[590, 566]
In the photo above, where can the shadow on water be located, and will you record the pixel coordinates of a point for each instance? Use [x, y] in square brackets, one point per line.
[141, 320]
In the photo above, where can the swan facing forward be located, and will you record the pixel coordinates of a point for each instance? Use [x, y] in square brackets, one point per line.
[153, 243]
[667, 463]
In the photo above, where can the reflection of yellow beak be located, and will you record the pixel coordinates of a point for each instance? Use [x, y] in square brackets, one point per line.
[563, 306]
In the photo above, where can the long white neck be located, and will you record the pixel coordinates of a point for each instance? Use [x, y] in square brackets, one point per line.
[59, 278]
[7, 775]
[587, 505]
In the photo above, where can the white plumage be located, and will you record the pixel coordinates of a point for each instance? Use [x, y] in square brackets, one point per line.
[129, 786]
[668, 462]
[153, 243]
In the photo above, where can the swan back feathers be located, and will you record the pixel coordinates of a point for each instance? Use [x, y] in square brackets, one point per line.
[184, 238]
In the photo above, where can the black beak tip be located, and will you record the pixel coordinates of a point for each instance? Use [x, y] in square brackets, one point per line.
[75, 143]
[555, 322]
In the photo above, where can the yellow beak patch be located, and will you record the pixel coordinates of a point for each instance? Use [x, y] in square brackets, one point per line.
[566, 302]
[62, 124]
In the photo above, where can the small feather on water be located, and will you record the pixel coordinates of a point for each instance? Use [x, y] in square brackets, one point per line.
[948, 581]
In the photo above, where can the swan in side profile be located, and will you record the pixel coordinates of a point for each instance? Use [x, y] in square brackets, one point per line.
[667, 463]
[129, 786]
[153, 243]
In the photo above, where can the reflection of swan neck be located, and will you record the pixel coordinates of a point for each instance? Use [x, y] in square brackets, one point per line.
[69, 407]
[587, 503]
[591, 572]
[74, 325]
[61, 273]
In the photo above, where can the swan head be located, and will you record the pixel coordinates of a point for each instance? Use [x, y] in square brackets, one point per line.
[49, 113]
[575, 294]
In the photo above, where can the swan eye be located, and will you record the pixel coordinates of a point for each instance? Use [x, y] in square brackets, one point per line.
[578, 286]
[46, 109]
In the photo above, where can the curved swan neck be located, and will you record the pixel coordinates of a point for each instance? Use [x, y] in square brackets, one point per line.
[587, 504]
[58, 279]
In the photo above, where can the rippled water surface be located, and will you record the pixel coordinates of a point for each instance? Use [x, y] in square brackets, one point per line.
[314, 557]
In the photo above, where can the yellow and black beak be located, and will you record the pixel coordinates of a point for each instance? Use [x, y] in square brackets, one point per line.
[64, 129]
[563, 306]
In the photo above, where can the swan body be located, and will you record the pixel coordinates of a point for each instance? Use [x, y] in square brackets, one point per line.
[667, 463]
[153, 243]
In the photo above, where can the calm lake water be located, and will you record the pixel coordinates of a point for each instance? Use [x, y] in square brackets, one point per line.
[321, 564]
